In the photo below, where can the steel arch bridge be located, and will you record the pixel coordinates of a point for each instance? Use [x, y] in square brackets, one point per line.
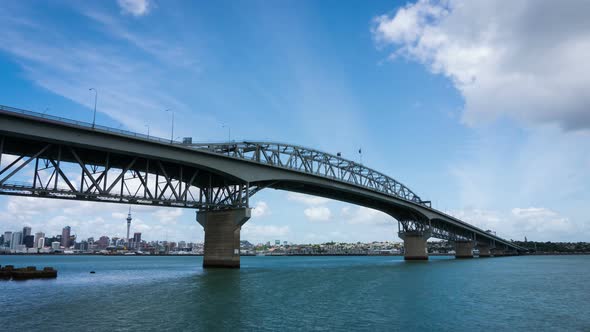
[51, 157]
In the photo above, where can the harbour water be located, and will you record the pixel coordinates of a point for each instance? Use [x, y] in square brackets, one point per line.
[300, 294]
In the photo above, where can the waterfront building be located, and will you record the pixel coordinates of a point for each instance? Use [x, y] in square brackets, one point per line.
[29, 241]
[38, 237]
[26, 232]
[103, 242]
[40, 243]
[7, 238]
[137, 240]
[17, 239]
[65, 237]
[55, 245]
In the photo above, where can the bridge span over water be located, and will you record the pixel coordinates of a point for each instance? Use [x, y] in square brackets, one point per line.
[52, 157]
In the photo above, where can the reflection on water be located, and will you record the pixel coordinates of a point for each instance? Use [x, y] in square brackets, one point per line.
[299, 293]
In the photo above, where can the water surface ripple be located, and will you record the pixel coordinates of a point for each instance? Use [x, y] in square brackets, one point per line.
[299, 294]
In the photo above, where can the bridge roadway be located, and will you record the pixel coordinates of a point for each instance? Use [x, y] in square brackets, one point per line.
[51, 157]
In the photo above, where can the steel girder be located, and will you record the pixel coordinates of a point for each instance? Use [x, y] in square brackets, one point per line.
[314, 162]
[61, 171]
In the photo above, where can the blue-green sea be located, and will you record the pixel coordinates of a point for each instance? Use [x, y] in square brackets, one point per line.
[532, 293]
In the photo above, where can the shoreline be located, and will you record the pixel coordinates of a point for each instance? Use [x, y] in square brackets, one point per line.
[282, 255]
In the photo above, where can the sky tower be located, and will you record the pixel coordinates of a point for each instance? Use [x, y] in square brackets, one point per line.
[128, 224]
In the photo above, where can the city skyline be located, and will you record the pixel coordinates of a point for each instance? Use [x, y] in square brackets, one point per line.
[496, 155]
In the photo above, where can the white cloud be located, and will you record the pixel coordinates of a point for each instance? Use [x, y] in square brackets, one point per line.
[307, 199]
[261, 209]
[168, 216]
[318, 213]
[523, 59]
[261, 232]
[135, 7]
[537, 224]
[364, 216]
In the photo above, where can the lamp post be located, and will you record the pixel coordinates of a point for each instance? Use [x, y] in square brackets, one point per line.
[172, 133]
[228, 132]
[148, 127]
[95, 98]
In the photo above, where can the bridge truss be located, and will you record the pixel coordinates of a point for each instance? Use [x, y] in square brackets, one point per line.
[314, 162]
[30, 167]
[66, 172]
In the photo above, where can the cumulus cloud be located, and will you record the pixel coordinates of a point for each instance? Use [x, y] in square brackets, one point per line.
[254, 231]
[135, 7]
[523, 59]
[318, 213]
[168, 216]
[364, 216]
[261, 209]
[307, 199]
[536, 223]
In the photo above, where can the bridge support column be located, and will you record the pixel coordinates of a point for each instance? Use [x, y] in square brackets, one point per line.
[484, 250]
[222, 236]
[415, 245]
[496, 252]
[463, 249]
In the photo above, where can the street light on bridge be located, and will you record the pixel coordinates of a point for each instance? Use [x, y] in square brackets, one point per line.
[95, 98]
[228, 132]
[148, 128]
[171, 134]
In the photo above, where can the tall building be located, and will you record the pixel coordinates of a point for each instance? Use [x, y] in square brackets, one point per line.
[137, 240]
[17, 239]
[128, 224]
[40, 243]
[26, 231]
[29, 241]
[103, 242]
[65, 236]
[7, 238]
[38, 237]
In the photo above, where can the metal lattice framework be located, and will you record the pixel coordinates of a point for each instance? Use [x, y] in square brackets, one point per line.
[29, 166]
[66, 172]
[314, 162]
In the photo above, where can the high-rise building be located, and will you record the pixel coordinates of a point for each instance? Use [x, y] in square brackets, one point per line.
[103, 242]
[17, 239]
[38, 237]
[65, 237]
[7, 238]
[137, 240]
[29, 241]
[26, 232]
[40, 243]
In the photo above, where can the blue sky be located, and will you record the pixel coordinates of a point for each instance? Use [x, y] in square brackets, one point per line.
[481, 112]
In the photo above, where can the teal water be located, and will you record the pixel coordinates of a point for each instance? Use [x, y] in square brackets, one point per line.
[300, 294]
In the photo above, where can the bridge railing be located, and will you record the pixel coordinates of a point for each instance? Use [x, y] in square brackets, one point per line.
[85, 125]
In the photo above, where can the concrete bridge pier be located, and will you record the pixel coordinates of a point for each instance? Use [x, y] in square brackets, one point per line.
[497, 252]
[415, 245]
[484, 250]
[222, 236]
[464, 249]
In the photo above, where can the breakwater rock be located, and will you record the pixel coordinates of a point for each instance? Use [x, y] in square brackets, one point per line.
[30, 272]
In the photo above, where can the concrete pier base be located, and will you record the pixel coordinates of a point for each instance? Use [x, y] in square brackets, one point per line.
[484, 251]
[463, 249]
[497, 252]
[415, 245]
[222, 236]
